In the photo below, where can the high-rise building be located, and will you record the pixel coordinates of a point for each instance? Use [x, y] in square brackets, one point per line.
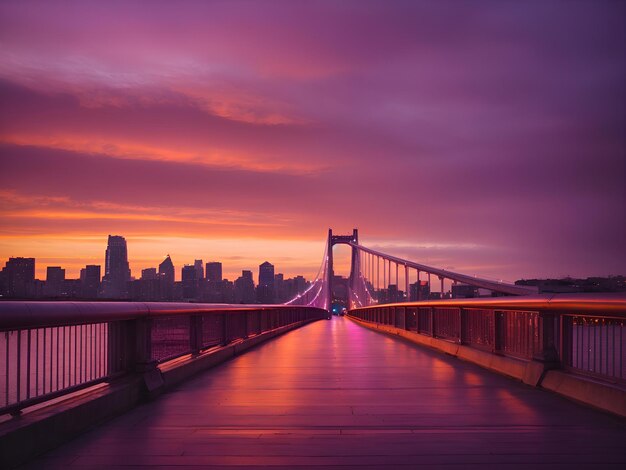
[166, 273]
[214, 271]
[190, 282]
[166, 269]
[116, 269]
[90, 281]
[265, 289]
[19, 277]
[197, 264]
[244, 288]
[55, 279]
[266, 274]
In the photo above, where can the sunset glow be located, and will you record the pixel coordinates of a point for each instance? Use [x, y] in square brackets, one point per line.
[481, 137]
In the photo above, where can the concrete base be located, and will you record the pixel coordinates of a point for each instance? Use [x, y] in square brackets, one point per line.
[33, 433]
[604, 396]
[597, 394]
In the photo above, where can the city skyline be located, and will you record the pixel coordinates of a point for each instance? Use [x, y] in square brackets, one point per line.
[486, 139]
[42, 271]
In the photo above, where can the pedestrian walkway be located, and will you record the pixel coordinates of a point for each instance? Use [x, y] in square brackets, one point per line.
[335, 394]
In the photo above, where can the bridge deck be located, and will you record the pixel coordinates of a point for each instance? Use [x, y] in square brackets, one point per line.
[336, 394]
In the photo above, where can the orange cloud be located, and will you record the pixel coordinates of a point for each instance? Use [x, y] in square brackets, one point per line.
[117, 148]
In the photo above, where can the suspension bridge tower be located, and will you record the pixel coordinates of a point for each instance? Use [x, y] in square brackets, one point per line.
[350, 240]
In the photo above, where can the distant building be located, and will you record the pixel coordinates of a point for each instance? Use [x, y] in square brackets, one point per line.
[116, 269]
[419, 291]
[266, 274]
[189, 282]
[573, 285]
[244, 288]
[72, 289]
[393, 294]
[167, 275]
[464, 291]
[265, 289]
[90, 281]
[146, 289]
[55, 279]
[149, 273]
[280, 288]
[214, 271]
[18, 278]
[199, 269]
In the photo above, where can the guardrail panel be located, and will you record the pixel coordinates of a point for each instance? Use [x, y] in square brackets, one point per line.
[480, 331]
[595, 346]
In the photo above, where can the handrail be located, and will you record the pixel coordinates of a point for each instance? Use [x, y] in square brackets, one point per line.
[584, 302]
[50, 349]
[32, 314]
[584, 333]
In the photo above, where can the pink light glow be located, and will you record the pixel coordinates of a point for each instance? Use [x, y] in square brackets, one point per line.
[487, 138]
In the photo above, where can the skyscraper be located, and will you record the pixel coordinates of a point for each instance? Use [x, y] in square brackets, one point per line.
[214, 271]
[166, 269]
[90, 281]
[55, 278]
[199, 269]
[190, 281]
[19, 277]
[265, 290]
[266, 274]
[116, 269]
[244, 288]
[166, 273]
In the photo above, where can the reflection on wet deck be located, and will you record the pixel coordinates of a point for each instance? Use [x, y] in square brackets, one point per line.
[336, 394]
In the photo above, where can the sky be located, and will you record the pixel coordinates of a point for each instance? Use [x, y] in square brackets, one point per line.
[485, 137]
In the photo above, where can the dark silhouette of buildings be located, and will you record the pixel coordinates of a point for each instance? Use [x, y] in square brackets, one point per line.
[18, 278]
[214, 271]
[244, 288]
[572, 285]
[116, 269]
[90, 281]
[419, 290]
[464, 291]
[190, 280]
[149, 274]
[199, 269]
[265, 289]
[166, 273]
[55, 280]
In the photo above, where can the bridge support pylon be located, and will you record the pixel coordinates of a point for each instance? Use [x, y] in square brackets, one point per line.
[354, 263]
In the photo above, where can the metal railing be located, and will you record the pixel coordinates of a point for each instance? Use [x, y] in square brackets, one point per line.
[584, 333]
[49, 349]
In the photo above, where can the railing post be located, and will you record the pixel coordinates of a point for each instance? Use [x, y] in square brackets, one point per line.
[143, 361]
[547, 338]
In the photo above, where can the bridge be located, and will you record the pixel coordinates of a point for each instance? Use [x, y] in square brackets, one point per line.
[526, 379]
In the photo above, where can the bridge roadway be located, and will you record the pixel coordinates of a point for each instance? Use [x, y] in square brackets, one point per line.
[335, 394]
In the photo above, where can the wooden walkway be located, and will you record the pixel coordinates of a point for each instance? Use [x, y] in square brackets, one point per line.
[335, 394]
